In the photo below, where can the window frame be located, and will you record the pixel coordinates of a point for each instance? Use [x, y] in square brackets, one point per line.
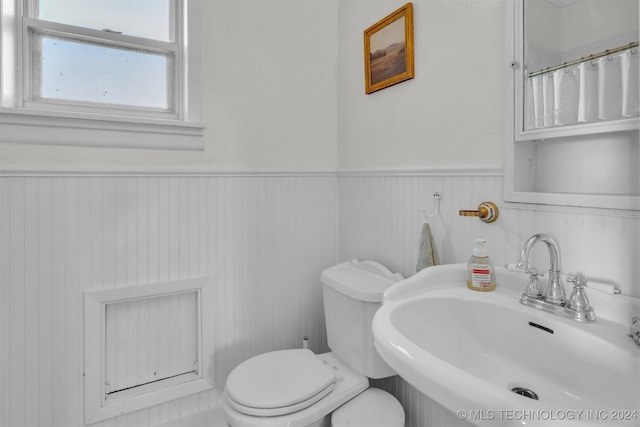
[25, 120]
[34, 28]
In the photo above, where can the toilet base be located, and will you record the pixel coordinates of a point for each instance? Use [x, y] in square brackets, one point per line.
[348, 385]
[324, 422]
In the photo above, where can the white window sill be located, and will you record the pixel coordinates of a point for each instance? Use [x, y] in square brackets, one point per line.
[23, 126]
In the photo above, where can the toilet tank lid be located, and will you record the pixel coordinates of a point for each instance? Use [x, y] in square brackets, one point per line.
[360, 280]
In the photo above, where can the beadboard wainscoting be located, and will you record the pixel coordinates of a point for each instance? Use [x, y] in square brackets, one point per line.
[262, 239]
[380, 217]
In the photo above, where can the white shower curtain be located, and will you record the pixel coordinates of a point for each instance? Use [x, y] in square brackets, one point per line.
[603, 89]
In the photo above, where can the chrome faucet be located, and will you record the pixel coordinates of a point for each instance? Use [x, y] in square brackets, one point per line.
[553, 299]
[555, 291]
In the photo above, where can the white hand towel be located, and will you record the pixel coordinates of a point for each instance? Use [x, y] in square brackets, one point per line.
[427, 253]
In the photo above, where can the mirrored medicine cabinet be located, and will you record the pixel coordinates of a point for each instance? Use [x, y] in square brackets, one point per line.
[573, 103]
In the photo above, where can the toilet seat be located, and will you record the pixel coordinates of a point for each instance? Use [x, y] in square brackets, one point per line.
[278, 383]
[283, 410]
[348, 385]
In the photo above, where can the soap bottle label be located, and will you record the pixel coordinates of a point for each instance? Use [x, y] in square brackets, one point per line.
[480, 272]
[480, 275]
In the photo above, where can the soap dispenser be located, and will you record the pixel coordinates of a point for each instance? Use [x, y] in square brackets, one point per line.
[481, 274]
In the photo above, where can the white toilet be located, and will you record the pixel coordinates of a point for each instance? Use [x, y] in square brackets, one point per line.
[297, 388]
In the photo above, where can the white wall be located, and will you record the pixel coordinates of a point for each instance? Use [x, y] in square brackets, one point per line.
[380, 217]
[271, 71]
[450, 113]
[268, 96]
[263, 240]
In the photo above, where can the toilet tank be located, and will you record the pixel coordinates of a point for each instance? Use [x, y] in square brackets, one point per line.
[352, 293]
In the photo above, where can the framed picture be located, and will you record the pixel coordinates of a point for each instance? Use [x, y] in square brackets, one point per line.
[388, 50]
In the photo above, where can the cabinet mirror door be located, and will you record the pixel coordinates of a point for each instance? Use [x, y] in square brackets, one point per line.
[580, 62]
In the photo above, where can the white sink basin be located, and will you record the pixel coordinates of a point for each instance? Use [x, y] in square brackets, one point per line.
[467, 350]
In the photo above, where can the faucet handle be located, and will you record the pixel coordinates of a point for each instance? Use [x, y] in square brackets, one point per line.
[578, 280]
[578, 302]
[533, 288]
[534, 272]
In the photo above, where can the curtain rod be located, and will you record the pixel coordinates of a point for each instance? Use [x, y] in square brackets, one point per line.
[585, 59]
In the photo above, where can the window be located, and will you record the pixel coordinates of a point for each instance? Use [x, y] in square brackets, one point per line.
[93, 70]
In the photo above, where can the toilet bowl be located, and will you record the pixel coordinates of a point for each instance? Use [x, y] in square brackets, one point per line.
[373, 408]
[275, 390]
[297, 388]
[270, 404]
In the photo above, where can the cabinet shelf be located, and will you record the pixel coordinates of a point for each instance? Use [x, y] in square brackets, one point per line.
[621, 125]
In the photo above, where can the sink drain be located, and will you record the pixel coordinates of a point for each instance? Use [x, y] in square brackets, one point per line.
[525, 392]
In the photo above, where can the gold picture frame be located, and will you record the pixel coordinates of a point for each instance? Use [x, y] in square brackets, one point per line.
[388, 50]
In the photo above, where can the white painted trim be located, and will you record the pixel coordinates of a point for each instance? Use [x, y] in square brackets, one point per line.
[512, 27]
[620, 125]
[102, 127]
[603, 201]
[27, 127]
[93, 173]
[132, 172]
[532, 207]
[513, 133]
[108, 38]
[97, 407]
[452, 171]
[89, 120]
[427, 171]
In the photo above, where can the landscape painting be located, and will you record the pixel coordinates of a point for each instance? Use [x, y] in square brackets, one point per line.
[388, 50]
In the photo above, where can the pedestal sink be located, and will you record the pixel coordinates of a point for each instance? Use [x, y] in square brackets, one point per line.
[491, 360]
